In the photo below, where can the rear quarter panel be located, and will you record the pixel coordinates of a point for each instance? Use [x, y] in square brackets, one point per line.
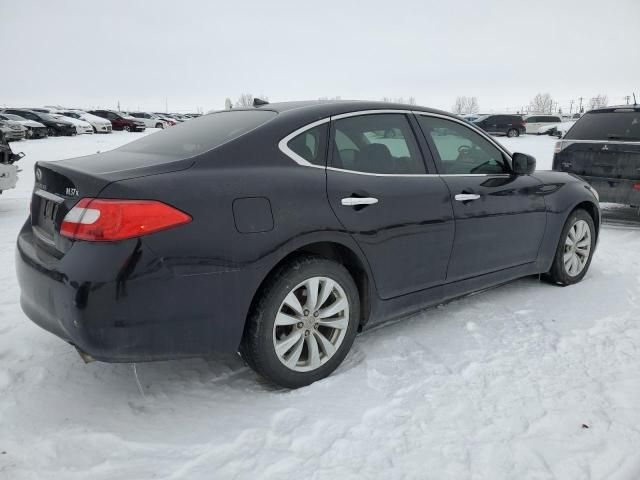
[197, 255]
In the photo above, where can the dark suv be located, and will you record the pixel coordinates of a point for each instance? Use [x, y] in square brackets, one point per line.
[120, 121]
[502, 124]
[603, 147]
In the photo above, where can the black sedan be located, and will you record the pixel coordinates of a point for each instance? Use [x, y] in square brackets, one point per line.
[283, 230]
[55, 126]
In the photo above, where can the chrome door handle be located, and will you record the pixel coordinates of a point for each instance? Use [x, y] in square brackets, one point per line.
[466, 197]
[355, 201]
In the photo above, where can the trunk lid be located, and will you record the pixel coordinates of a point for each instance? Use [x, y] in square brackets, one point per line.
[60, 185]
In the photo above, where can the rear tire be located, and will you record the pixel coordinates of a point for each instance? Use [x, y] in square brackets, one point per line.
[512, 132]
[575, 249]
[296, 346]
[159, 125]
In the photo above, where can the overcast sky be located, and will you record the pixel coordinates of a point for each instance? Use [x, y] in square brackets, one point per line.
[195, 53]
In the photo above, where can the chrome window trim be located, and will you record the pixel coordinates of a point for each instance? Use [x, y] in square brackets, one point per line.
[284, 148]
[49, 196]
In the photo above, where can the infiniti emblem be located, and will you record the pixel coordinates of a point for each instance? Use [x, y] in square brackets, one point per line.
[38, 174]
[605, 148]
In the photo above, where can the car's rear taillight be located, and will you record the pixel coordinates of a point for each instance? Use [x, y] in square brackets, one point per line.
[636, 186]
[558, 147]
[110, 220]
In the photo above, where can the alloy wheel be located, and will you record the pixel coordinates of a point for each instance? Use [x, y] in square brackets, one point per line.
[577, 248]
[311, 323]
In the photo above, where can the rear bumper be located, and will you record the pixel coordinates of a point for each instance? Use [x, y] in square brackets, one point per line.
[121, 303]
[615, 190]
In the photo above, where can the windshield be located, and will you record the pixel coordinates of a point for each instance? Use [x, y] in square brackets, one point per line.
[480, 118]
[47, 116]
[606, 126]
[10, 116]
[200, 135]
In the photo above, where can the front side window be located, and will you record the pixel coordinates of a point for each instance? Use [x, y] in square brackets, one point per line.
[376, 143]
[311, 144]
[461, 150]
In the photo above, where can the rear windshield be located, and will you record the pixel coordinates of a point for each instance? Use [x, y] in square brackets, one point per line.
[607, 126]
[201, 134]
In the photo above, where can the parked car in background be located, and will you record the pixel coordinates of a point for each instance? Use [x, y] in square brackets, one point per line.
[82, 127]
[120, 120]
[603, 147]
[407, 207]
[169, 120]
[8, 169]
[55, 126]
[470, 117]
[510, 125]
[12, 131]
[99, 125]
[533, 123]
[170, 116]
[34, 129]
[151, 120]
[556, 129]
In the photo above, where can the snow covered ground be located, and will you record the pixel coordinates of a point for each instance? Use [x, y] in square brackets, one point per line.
[523, 381]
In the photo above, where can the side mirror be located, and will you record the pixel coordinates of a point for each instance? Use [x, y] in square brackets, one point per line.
[523, 164]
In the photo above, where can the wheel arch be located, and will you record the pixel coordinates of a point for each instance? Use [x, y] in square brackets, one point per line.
[593, 211]
[340, 253]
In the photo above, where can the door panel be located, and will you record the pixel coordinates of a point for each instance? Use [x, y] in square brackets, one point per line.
[407, 234]
[500, 218]
[502, 228]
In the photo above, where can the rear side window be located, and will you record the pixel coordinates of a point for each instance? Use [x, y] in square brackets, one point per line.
[606, 126]
[201, 134]
[311, 144]
[376, 143]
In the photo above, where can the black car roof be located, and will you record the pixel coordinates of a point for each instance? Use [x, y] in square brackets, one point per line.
[327, 108]
[616, 108]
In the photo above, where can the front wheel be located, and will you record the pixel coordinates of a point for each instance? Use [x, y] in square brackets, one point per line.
[303, 323]
[126, 128]
[575, 249]
[159, 125]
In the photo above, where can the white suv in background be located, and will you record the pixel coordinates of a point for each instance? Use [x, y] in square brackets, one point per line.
[532, 123]
[99, 125]
[151, 120]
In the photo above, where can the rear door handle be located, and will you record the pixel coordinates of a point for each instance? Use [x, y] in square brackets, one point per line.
[466, 197]
[355, 201]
